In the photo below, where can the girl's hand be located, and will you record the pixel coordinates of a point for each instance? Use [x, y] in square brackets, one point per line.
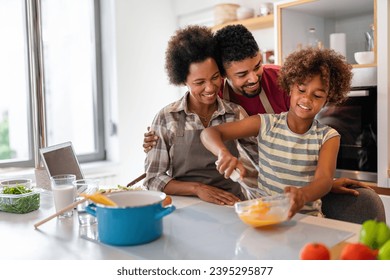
[226, 163]
[297, 198]
[215, 195]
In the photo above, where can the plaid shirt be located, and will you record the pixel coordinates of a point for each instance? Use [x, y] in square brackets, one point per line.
[158, 166]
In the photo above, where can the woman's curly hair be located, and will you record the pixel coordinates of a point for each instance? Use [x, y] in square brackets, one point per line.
[336, 74]
[235, 43]
[189, 45]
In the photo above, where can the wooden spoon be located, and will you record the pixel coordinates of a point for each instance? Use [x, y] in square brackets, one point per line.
[66, 209]
[96, 197]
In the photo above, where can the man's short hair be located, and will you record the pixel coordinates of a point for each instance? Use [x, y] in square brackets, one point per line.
[234, 43]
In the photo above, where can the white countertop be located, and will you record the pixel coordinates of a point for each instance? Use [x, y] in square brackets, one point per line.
[195, 230]
[57, 239]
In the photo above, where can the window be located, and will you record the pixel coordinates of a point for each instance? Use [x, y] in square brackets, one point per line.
[73, 100]
[14, 95]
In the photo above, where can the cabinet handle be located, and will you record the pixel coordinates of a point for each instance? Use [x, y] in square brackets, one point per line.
[358, 93]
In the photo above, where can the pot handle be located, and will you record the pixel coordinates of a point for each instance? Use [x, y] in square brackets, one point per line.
[165, 211]
[91, 209]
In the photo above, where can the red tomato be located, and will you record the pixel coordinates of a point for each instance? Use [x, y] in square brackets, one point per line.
[314, 251]
[357, 251]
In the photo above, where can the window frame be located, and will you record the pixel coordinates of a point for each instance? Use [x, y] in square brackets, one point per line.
[36, 95]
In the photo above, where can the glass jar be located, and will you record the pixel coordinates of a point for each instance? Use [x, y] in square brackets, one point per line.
[312, 40]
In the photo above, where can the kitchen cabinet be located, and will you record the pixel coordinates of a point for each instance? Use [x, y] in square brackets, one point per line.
[251, 23]
[352, 17]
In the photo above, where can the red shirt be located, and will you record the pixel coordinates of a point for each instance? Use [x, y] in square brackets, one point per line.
[279, 100]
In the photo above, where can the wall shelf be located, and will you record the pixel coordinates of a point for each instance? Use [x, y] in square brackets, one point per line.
[250, 23]
[364, 65]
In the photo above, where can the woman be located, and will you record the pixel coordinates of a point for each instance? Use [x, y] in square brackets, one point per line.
[179, 164]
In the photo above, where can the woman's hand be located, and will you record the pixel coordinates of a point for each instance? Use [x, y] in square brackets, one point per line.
[215, 195]
[150, 140]
[297, 198]
[346, 185]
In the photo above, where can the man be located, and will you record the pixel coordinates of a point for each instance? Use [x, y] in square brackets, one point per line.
[248, 82]
[252, 85]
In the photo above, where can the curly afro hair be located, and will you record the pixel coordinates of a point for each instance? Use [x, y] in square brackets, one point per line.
[235, 43]
[336, 74]
[189, 45]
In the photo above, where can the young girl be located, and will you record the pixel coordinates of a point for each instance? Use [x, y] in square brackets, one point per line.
[297, 154]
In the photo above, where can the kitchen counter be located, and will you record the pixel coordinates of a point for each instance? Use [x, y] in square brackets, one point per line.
[195, 230]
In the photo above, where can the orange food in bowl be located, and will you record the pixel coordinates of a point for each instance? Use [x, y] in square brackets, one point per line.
[256, 221]
[256, 215]
[264, 211]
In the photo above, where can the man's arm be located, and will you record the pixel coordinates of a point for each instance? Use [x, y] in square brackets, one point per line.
[150, 140]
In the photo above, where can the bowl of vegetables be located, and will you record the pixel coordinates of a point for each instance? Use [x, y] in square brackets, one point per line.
[17, 196]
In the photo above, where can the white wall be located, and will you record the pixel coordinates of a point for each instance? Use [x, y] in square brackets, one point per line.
[142, 31]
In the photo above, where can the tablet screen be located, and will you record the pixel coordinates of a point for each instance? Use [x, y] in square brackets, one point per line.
[61, 159]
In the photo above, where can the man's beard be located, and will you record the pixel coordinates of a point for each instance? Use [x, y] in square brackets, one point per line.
[251, 95]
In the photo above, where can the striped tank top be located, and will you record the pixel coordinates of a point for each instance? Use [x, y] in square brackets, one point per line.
[287, 158]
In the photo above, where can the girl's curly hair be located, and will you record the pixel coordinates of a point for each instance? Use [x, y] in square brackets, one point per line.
[336, 74]
[189, 45]
[235, 43]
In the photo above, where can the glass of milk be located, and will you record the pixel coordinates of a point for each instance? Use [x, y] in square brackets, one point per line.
[64, 192]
